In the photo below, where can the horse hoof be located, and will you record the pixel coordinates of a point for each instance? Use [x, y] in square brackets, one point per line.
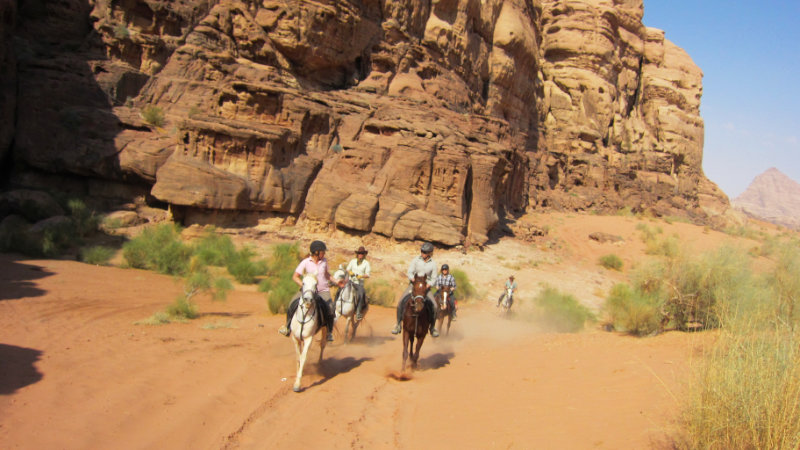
[297, 389]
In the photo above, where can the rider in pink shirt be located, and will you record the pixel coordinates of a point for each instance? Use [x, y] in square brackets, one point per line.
[317, 265]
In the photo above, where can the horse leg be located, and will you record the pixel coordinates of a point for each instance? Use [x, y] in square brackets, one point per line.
[302, 363]
[415, 359]
[355, 326]
[406, 336]
[322, 343]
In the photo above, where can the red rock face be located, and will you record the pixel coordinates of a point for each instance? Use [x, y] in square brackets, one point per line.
[412, 119]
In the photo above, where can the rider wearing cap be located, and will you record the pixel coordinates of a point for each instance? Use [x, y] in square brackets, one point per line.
[421, 265]
[447, 279]
[359, 270]
[315, 264]
[510, 284]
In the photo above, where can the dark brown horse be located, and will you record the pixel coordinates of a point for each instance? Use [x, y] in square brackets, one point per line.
[443, 309]
[415, 320]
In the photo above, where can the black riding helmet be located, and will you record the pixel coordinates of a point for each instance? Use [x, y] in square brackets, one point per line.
[318, 246]
[427, 247]
[445, 267]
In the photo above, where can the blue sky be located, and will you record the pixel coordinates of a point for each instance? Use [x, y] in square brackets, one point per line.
[750, 56]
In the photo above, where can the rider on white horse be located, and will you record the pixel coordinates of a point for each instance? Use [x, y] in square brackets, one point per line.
[315, 264]
[510, 285]
[359, 270]
[447, 279]
[420, 265]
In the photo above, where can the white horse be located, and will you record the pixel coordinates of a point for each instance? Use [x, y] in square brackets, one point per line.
[305, 324]
[346, 304]
[508, 300]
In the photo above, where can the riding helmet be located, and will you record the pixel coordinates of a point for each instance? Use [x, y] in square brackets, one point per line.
[427, 247]
[318, 246]
[445, 267]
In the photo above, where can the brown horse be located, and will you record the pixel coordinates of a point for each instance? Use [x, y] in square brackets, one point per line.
[443, 309]
[415, 320]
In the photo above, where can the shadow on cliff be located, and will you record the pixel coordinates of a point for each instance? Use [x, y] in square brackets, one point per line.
[65, 125]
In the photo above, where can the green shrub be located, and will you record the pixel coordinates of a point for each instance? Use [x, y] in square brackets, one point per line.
[278, 284]
[561, 312]
[633, 312]
[158, 248]
[153, 115]
[380, 292]
[86, 221]
[243, 269]
[121, 31]
[464, 288]
[214, 249]
[611, 261]
[98, 255]
[280, 292]
[182, 308]
[784, 283]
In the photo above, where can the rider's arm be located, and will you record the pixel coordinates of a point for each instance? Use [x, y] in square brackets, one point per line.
[296, 279]
[367, 269]
[412, 270]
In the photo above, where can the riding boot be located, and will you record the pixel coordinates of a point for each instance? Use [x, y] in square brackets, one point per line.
[452, 308]
[284, 330]
[432, 314]
[400, 308]
[325, 313]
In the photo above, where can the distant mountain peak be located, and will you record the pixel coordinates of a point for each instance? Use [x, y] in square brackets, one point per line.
[772, 196]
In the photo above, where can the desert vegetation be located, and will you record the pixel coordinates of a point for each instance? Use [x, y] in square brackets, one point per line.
[746, 391]
[278, 283]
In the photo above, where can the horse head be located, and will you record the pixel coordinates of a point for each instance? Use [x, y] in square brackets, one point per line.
[442, 295]
[309, 290]
[419, 290]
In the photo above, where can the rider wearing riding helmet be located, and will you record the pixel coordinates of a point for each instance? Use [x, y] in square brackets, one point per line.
[421, 265]
[359, 269]
[447, 279]
[315, 264]
[510, 284]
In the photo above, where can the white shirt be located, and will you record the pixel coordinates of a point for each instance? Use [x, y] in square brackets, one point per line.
[359, 269]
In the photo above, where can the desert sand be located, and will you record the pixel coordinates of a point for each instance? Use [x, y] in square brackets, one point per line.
[76, 371]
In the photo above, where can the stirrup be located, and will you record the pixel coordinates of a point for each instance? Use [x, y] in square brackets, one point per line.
[284, 330]
[359, 316]
[434, 333]
[330, 337]
[396, 329]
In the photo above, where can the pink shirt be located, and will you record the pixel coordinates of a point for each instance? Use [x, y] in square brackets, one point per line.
[319, 269]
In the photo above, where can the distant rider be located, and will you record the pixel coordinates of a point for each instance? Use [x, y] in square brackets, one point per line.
[359, 270]
[315, 264]
[446, 279]
[510, 284]
[420, 265]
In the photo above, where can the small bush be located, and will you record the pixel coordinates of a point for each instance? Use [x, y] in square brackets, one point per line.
[243, 269]
[98, 255]
[380, 292]
[214, 249]
[182, 308]
[633, 312]
[278, 284]
[611, 261]
[561, 312]
[158, 248]
[159, 318]
[280, 292]
[464, 288]
[121, 31]
[669, 246]
[153, 115]
[86, 221]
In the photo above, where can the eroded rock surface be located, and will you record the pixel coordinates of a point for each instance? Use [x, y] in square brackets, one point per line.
[413, 119]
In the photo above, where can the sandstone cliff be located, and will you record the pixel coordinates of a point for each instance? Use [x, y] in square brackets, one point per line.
[413, 119]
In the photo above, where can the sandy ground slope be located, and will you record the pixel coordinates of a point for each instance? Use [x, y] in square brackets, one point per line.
[76, 372]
